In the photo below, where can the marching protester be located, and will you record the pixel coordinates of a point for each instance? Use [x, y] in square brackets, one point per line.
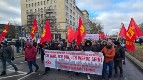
[34, 43]
[87, 47]
[119, 57]
[17, 45]
[109, 53]
[6, 55]
[30, 55]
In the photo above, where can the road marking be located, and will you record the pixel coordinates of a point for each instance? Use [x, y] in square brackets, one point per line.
[21, 62]
[26, 76]
[20, 74]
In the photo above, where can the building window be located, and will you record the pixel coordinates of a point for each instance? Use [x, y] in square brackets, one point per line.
[41, 15]
[70, 11]
[29, 5]
[32, 4]
[73, 18]
[30, 10]
[74, 13]
[44, 8]
[47, 1]
[70, 17]
[41, 9]
[74, 1]
[73, 23]
[67, 15]
[66, 8]
[44, 2]
[67, 21]
[70, 22]
[73, 7]
[38, 3]
[35, 4]
[26, 5]
[35, 10]
[70, 5]
[41, 2]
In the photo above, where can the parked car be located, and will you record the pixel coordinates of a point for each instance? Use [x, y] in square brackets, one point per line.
[138, 39]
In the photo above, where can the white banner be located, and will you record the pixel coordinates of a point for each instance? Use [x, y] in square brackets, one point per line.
[92, 36]
[77, 61]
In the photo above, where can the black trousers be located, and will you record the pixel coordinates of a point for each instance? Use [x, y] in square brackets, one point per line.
[118, 64]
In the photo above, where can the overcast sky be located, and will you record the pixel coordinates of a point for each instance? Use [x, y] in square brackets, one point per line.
[111, 13]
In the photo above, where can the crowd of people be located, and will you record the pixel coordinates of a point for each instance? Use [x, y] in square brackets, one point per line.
[114, 54]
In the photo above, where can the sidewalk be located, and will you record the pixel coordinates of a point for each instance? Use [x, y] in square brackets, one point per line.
[138, 63]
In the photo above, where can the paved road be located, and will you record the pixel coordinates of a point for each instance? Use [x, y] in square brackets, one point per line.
[131, 72]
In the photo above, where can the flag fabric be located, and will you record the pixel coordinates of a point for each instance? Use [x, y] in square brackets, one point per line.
[46, 33]
[131, 34]
[81, 32]
[122, 31]
[34, 28]
[130, 46]
[133, 31]
[102, 35]
[71, 34]
[4, 32]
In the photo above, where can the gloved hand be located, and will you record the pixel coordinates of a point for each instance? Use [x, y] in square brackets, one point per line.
[12, 58]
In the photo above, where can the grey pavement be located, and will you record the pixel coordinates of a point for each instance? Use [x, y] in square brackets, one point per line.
[131, 72]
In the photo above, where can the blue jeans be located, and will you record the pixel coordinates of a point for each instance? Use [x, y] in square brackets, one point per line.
[17, 49]
[30, 65]
[110, 65]
[9, 61]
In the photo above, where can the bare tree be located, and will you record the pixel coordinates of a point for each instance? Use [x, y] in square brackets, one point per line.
[96, 27]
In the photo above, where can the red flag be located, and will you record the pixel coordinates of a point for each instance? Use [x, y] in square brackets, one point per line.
[102, 35]
[131, 35]
[4, 32]
[130, 46]
[133, 31]
[71, 34]
[81, 32]
[46, 33]
[34, 28]
[122, 31]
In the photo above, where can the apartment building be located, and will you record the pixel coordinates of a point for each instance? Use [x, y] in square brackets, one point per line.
[60, 13]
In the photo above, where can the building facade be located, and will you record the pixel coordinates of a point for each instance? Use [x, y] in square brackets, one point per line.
[60, 13]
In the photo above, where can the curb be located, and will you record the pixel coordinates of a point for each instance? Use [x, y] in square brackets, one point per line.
[138, 63]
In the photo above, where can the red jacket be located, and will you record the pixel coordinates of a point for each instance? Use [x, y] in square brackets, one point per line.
[30, 52]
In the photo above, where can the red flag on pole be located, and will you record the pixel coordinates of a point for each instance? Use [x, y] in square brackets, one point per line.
[81, 32]
[132, 33]
[102, 35]
[71, 34]
[34, 28]
[46, 33]
[122, 31]
[4, 32]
